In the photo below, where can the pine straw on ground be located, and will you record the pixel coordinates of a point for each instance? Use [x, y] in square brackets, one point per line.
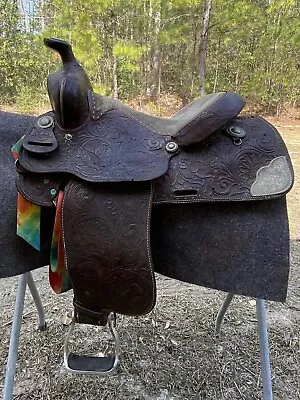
[172, 353]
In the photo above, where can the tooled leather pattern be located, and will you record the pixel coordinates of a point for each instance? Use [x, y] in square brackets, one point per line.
[40, 190]
[115, 148]
[107, 249]
[217, 169]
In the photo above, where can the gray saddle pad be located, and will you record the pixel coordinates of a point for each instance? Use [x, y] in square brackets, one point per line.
[17, 256]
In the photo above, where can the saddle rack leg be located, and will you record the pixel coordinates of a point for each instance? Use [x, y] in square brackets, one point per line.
[263, 341]
[24, 279]
[264, 349]
[38, 302]
[222, 311]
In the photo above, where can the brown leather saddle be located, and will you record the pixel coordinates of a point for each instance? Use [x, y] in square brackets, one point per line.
[114, 165]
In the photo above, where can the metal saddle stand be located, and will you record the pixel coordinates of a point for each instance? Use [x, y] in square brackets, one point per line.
[27, 279]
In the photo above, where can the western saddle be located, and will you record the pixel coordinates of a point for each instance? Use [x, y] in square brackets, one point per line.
[95, 167]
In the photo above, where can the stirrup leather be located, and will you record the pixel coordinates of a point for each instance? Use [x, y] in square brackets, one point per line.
[87, 365]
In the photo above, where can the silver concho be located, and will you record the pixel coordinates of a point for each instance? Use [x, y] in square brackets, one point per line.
[68, 136]
[171, 147]
[45, 122]
[53, 192]
[237, 133]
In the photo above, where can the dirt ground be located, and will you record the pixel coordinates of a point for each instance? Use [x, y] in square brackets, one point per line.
[172, 353]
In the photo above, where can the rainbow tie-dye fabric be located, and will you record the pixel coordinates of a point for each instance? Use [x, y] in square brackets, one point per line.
[58, 274]
[28, 214]
[28, 222]
[29, 229]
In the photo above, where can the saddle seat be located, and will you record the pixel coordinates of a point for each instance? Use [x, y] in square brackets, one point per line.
[192, 124]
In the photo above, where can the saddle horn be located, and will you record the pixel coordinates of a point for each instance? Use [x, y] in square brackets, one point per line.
[68, 88]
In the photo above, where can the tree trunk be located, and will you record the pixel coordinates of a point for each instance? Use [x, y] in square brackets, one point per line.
[203, 46]
[42, 15]
[216, 76]
[24, 14]
[115, 64]
[154, 78]
[148, 62]
[115, 77]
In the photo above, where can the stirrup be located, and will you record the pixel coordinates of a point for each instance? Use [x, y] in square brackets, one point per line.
[93, 365]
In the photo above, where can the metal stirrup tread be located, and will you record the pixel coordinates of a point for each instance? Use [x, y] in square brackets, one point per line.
[87, 365]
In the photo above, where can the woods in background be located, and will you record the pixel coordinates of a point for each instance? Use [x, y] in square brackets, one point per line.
[151, 47]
